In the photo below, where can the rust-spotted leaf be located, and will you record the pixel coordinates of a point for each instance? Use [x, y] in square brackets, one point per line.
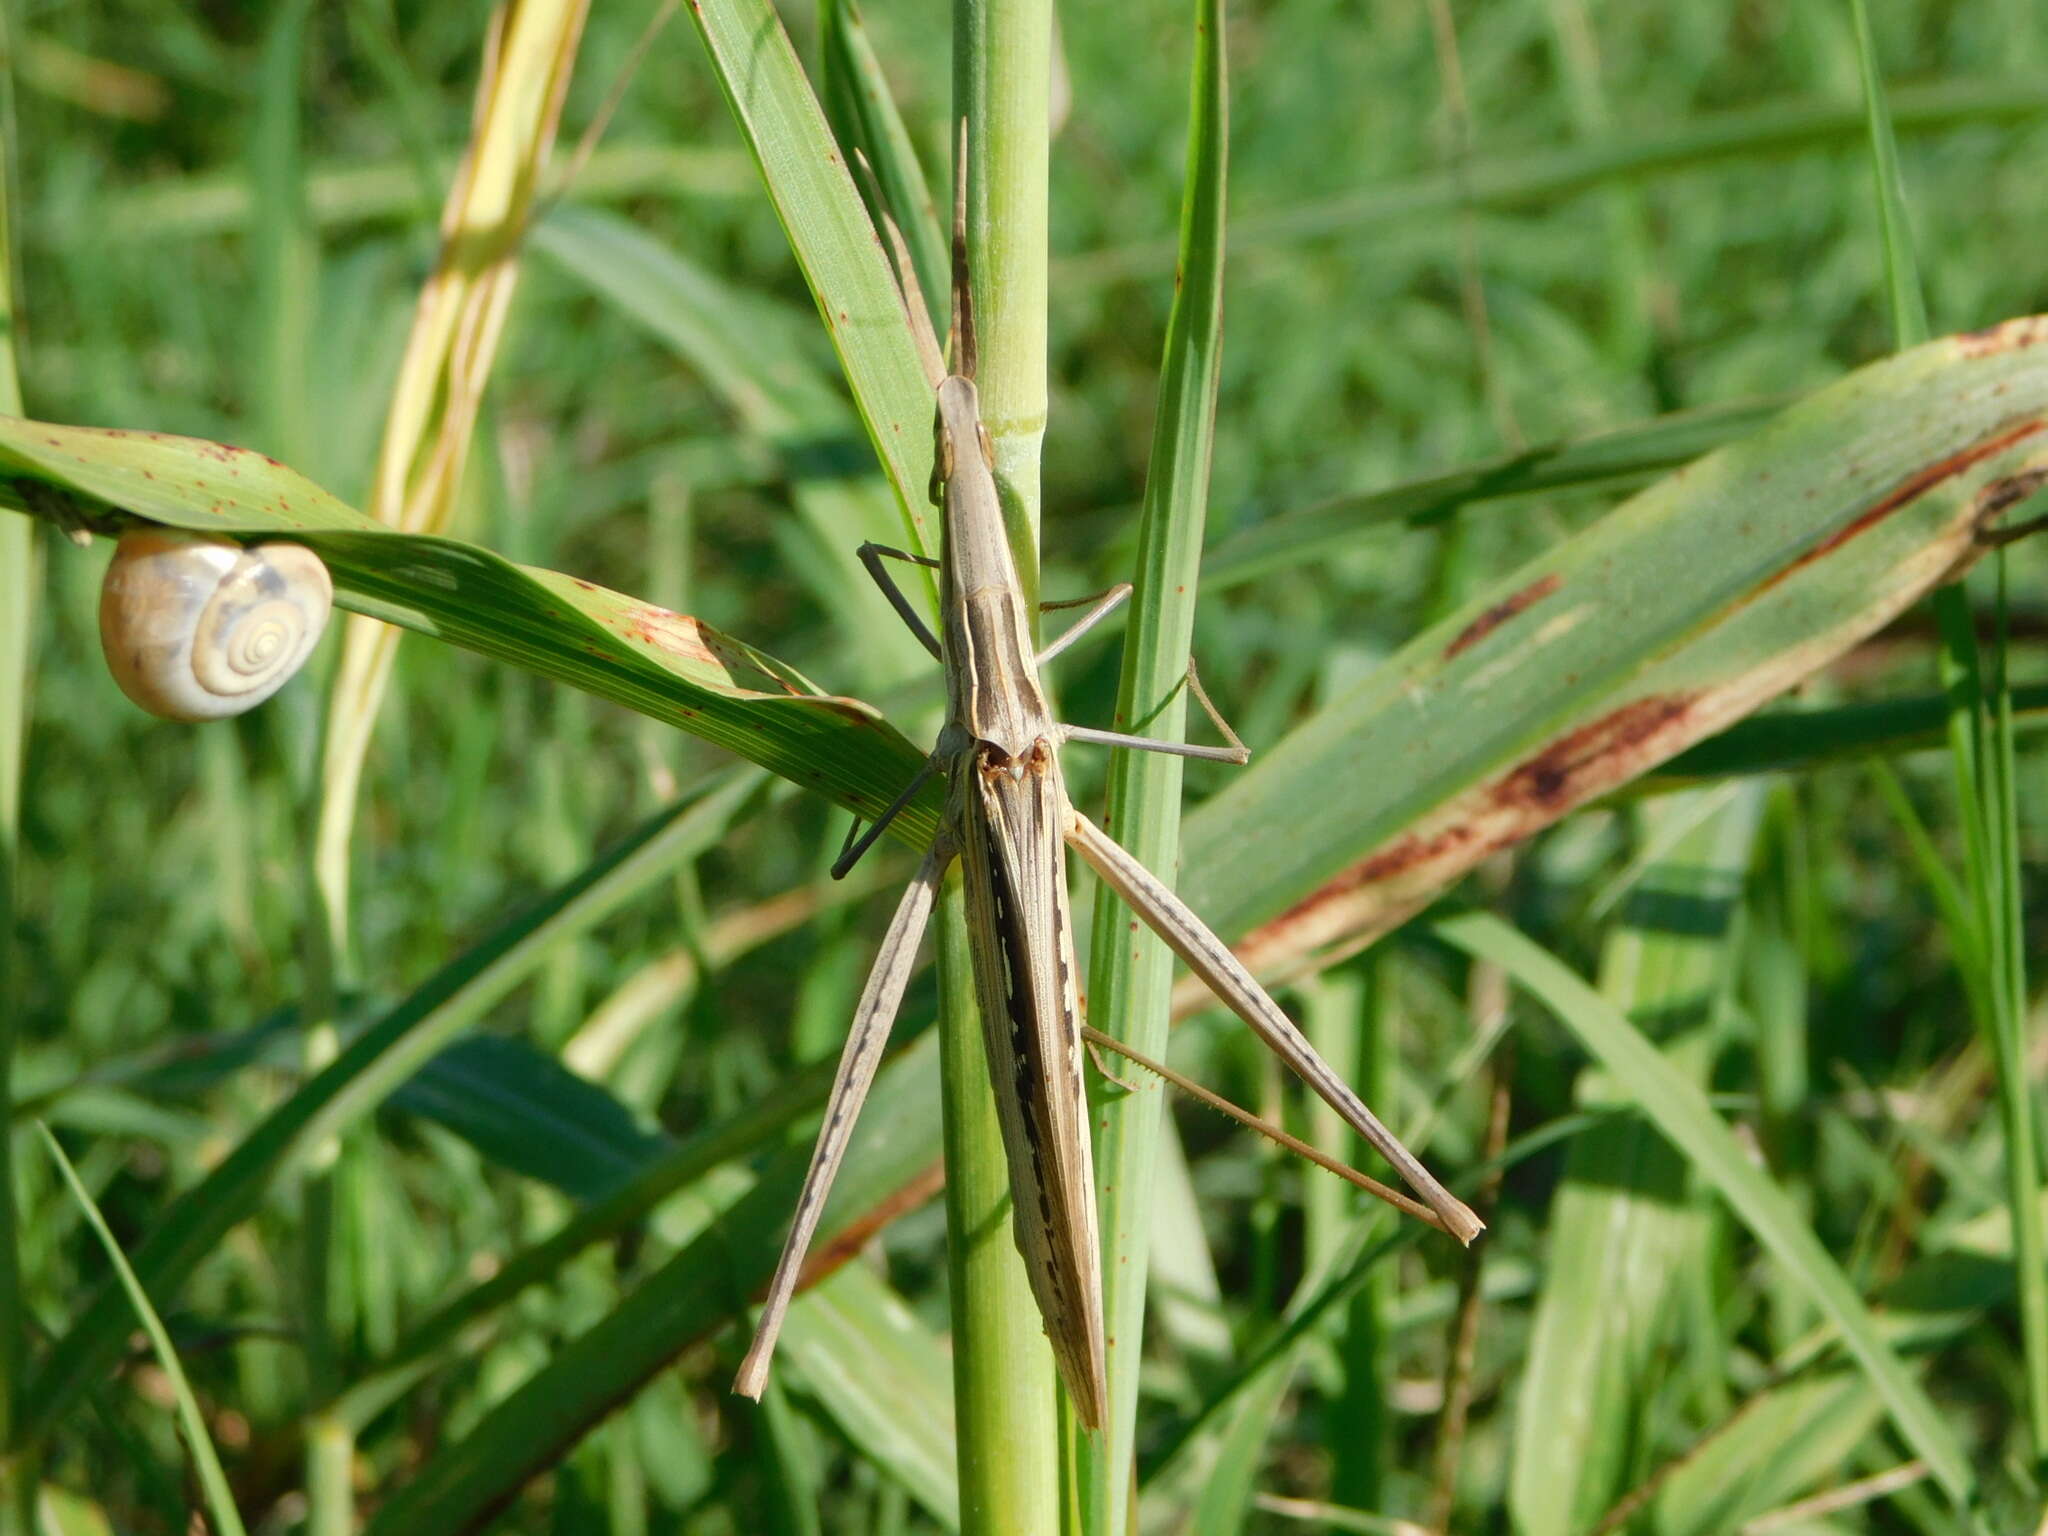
[662, 664]
[1682, 610]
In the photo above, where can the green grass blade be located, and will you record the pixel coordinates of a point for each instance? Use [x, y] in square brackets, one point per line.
[1130, 976]
[864, 113]
[828, 228]
[1749, 134]
[1680, 1111]
[368, 1070]
[1789, 740]
[789, 1473]
[1230, 1470]
[1191, 1446]
[883, 1377]
[662, 664]
[1623, 1221]
[286, 259]
[380, 1382]
[1590, 665]
[525, 1111]
[702, 1288]
[1980, 739]
[1787, 1442]
[346, 196]
[18, 586]
[1626, 457]
[213, 1482]
[2003, 926]
[1902, 270]
[17, 613]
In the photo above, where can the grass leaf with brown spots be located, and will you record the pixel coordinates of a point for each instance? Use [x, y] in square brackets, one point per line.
[662, 664]
[1681, 611]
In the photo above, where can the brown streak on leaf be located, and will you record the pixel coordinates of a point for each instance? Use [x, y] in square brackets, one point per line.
[1524, 800]
[1596, 756]
[1911, 489]
[2006, 336]
[1502, 611]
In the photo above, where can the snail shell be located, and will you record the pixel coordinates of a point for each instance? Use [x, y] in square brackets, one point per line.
[196, 628]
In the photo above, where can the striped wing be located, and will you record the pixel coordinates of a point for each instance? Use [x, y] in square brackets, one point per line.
[1013, 864]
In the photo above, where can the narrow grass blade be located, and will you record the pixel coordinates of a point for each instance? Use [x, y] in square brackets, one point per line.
[1681, 1113]
[1748, 134]
[1130, 974]
[470, 1312]
[1191, 1446]
[1789, 740]
[1624, 1219]
[790, 1486]
[525, 1111]
[883, 1377]
[1230, 1470]
[892, 1165]
[283, 252]
[213, 1482]
[366, 1072]
[18, 587]
[1980, 738]
[2003, 925]
[864, 113]
[1590, 665]
[1902, 270]
[343, 196]
[1623, 458]
[1787, 1442]
[828, 228]
[662, 664]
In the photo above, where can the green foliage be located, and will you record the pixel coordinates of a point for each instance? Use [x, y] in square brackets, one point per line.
[1754, 1241]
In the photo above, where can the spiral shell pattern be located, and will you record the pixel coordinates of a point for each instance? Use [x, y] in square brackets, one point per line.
[195, 628]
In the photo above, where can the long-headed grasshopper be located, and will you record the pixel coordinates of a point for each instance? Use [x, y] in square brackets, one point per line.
[1007, 818]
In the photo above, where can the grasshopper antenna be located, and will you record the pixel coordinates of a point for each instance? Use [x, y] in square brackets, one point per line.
[964, 353]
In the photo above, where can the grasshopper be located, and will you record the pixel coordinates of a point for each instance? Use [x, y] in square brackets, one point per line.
[1007, 820]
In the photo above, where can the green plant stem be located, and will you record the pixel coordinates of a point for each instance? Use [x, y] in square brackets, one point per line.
[2002, 927]
[1004, 1391]
[1002, 83]
[1004, 1397]
[17, 606]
